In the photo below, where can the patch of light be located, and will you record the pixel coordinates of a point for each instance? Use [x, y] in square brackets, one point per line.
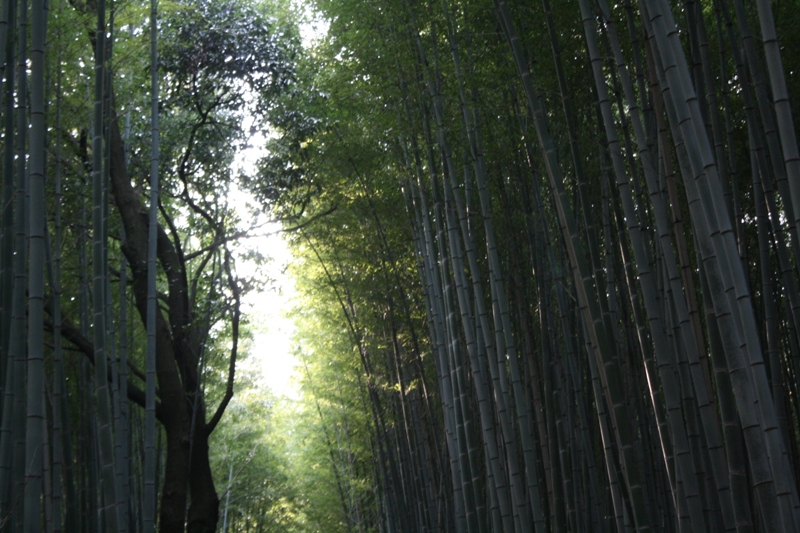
[313, 27]
[270, 357]
[269, 360]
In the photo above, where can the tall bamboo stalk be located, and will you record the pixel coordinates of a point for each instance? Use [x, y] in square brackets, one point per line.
[34, 437]
[587, 295]
[726, 279]
[99, 246]
[7, 275]
[150, 489]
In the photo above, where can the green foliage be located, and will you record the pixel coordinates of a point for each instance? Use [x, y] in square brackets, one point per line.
[251, 461]
[223, 49]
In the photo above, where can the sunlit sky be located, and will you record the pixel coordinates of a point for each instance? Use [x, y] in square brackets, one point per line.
[269, 355]
[269, 359]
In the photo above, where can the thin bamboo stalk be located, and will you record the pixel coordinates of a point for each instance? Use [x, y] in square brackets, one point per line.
[150, 488]
[34, 433]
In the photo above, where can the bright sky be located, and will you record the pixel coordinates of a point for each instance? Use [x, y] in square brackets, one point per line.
[313, 28]
[270, 358]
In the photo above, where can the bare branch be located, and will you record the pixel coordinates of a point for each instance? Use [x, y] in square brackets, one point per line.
[234, 286]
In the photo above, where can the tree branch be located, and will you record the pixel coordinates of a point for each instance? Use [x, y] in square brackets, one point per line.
[83, 345]
[234, 286]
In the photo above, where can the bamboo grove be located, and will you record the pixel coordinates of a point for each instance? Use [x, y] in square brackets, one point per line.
[547, 252]
[560, 240]
[119, 299]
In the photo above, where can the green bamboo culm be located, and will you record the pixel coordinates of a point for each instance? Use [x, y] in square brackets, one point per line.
[34, 435]
[149, 503]
[588, 295]
[63, 488]
[18, 340]
[7, 268]
[775, 485]
[685, 471]
[109, 507]
[6, 199]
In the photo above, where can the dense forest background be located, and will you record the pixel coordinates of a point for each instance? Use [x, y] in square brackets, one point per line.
[545, 260]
